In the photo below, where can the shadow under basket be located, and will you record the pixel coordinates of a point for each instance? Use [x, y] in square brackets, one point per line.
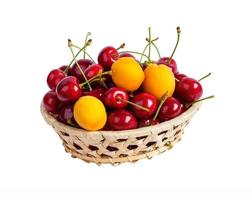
[116, 147]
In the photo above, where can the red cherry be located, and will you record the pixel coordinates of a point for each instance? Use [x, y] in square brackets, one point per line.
[50, 102]
[93, 70]
[112, 98]
[147, 122]
[172, 65]
[179, 76]
[122, 120]
[107, 56]
[74, 70]
[146, 100]
[54, 77]
[68, 89]
[66, 114]
[188, 90]
[97, 92]
[63, 67]
[126, 55]
[170, 109]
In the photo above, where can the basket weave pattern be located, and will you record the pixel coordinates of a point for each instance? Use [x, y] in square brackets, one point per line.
[116, 147]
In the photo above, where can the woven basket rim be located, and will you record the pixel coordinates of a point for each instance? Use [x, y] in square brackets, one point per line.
[52, 121]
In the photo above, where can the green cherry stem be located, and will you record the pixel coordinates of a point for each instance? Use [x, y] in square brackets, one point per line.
[84, 50]
[203, 99]
[86, 39]
[95, 77]
[163, 98]
[155, 46]
[178, 37]
[83, 74]
[147, 45]
[205, 76]
[149, 55]
[133, 104]
[68, 66]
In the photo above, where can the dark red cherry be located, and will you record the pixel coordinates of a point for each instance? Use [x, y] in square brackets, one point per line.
[188, 90]
[107, 56]
[68, 89]
[93, 70]
[170, 109]
[50, 102]
[66, 114]
[74, 70]
[96, 92]
[147, 122]
[172, 65]
[146, 100]
[122, 120]
[179, 76]
[54, 77]
[63, 67]
[126, 55]
[112, 98]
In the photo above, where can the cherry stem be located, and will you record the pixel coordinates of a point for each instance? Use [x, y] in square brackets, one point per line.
[149, 55]
[86, 39]
[95, 77]
[145, 48]
[135, 52]
[163, 98]
[102, 82]
[205, 76]
[133, 104]
[178, 37]
[203, 99]
[121, 46]
[84, 50]
[83, 74]
[68, 66]
[155, 46]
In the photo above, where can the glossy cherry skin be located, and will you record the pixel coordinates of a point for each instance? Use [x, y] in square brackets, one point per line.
[112, 95]
[107, 56]
[54, 77]
[188, 90]
[126, 55]
[170, 109]
[96, 92]
[172, 65]
[74, 70]
[179, 76]
[146, 100]
[68, 89]
[50, 102]
[122, 120]
[93, 70]
[147, 122]
[66, 114]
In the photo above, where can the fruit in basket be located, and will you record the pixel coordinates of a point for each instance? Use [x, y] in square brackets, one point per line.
[54, 77]
[179, 76]
[93, 70]
[66, 114]
[158, 80]
[96, 92]
[170, 109]
[75, 71]
[147, 122]
[127, 73]
[172, 64]
[122, 120]
[107, 56]
[51, 102]
[126, 55]
[90, 113]
[68, 89]
[146, 100]
[188, 90]
[116, 97]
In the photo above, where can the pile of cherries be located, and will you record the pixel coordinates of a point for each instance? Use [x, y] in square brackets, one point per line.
[125, 110]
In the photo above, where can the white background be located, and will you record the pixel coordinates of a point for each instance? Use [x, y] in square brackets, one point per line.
[213, 160]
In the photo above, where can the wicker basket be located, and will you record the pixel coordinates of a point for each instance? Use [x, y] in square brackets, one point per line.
[116, 147]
